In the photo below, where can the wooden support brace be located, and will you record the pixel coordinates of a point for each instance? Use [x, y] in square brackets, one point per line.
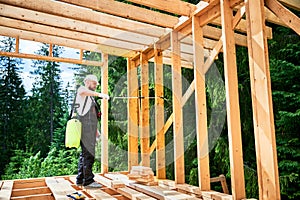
[144, 112]
[289, 18]
[232, 103]
[104, 116]
[159, 114]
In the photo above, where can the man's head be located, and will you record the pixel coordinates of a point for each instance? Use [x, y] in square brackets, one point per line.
[91, 82]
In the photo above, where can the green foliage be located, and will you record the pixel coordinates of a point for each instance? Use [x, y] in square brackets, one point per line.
[12, 104]
[46, 105]
[56, 163]
[285, 73]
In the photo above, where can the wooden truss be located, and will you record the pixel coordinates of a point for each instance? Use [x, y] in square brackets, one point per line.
[141, 35]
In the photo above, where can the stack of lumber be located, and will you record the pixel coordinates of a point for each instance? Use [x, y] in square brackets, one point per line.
[142, 175]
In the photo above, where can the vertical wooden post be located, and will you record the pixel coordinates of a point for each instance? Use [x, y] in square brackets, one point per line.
[263, 119]
[50, 50]
[177, 109]
[159, 114]
[133, 128]
[200, 103]
[17, 44]
[232, 103]
[144, 112]
[104, 116]
[81, 54]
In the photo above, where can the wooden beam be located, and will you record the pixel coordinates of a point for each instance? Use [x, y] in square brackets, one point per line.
[174, 6]
[133, 110]
[159, 114]
[294, 4]
[17, 44]
[263, 119]
[12, 32]
[50, 50]
[29, 183]
[200, 106]
[59, 187]
[6, 190]
[30, 191]
[53, 59]
[75, 12]
[72, 25]
[144, 112]
[289, 18]
[104, 115]
[132, 12]
[59, 32]
[177, 110]
[232, 103]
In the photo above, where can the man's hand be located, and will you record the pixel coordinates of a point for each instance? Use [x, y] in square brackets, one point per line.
[104, 96]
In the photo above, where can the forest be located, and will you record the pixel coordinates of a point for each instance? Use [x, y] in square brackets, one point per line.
[32, 124]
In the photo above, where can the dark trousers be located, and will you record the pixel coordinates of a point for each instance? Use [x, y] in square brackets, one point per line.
[86, 160]
[87, 156]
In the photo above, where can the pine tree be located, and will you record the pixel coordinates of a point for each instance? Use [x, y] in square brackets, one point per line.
[46, 105]
[12, 102]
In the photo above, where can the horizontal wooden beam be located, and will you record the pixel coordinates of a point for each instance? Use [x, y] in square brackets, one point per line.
[73, 25]
[174, 6]
[51, 58]
[60, 32]
[75, 12]
[22, 34]
[132, 12]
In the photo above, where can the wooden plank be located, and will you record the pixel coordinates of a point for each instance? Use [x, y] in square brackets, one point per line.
[53, 59]
[263, 119]
[162, 193]
[291, 4]
[101, 195]
[30, 191]
[75, 12]
[11, 32]
[174, 6]
[35, 197]
[144, 112]
[200, 106]
[232, 103]
[71, 34]
[133, 194]
[59, 187]
[6, 190]
[177, 109]
[104, 116]
[56, 22]
[133, 12]
[208, 195]
[133, 110]
[103, 180]
[29, 183]
[159, 114]
[289, 18]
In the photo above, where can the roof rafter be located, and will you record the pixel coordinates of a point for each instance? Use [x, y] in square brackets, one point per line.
[174, 6]
[74, 25]
[73, 43]
[132, 12]
[75, 12]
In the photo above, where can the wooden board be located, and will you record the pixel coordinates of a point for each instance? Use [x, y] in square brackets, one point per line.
[6, 190]
[59, 187]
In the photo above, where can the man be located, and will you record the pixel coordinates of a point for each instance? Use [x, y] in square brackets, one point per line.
[88, 116]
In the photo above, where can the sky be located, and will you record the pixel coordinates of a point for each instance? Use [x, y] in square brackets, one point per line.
[30, 47]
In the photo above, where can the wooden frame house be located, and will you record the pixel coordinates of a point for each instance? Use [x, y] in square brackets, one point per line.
[181, 36]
